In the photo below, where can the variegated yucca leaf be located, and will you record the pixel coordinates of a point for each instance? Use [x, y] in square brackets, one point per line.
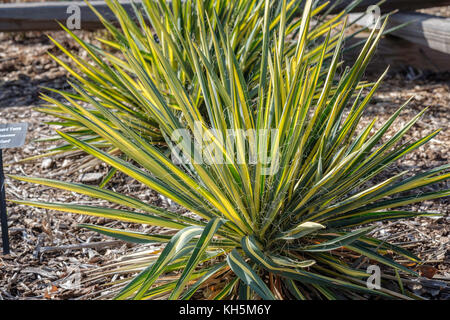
[289, 225]
[108, 76]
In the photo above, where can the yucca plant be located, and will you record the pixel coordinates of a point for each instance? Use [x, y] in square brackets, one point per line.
[174, 27]
[280, 181]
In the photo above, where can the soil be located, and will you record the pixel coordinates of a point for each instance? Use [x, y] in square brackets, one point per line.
[37, 269]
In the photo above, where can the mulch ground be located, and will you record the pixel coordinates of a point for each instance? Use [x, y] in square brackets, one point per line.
[49, 251]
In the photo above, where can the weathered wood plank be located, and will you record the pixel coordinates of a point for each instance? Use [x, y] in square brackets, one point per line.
[422, 29]
[43, 15]
[427, 30]
[401, 54]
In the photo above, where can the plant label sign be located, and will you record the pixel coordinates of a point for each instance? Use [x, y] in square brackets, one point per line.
[12, 135]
